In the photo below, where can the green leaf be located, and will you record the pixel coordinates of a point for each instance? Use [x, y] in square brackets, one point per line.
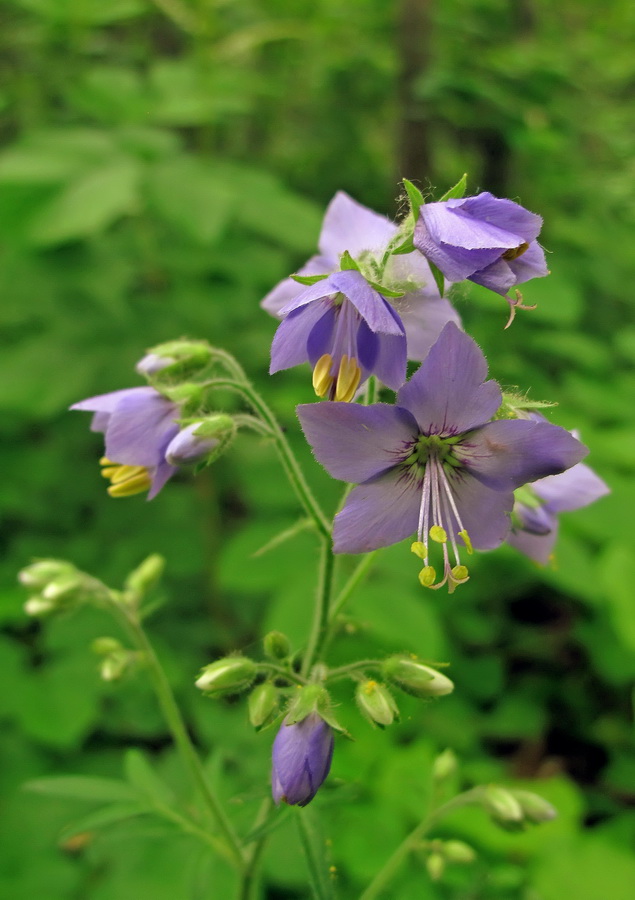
[83, 787]
[141, 774]
[88, 205]
[347, 262]
[437, 274]
[386, 292]
[406, 247]
[456, 192]
[107, 815]
[308, 279]
[415, 197]
[314, 847]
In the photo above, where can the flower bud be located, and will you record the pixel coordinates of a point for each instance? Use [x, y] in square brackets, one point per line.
[263, 705]
[445, 765]
[302, 754]
[230, 675]
[198, 440]
[62, 587]
[415, 678]
[152, 363]
[102, 646]
[458, 852]
[376, 703]
[184, 358]
[43, 571]
[502, 805]
[146, 575]
[306, 700]
[276, 645]
[38, 606]
[435, 864]
[535, 808]
[113, 667]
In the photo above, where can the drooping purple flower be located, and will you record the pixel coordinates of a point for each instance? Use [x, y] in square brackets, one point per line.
[188, 448]
[434, 464]
[535, 514]
[366, 235]
[484, 239]
[138, 425]
[347, 331]
[302, 755]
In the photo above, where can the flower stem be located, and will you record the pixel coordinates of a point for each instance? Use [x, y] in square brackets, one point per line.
[319, 627]
[344, 671]
[287, 457]
[179, 732]
[247, 886]
[357, 576]
[391, 866]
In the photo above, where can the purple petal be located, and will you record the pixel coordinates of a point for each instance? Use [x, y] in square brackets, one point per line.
[484, 512]
[106, 403]
[378, 513]
[458, 226]
[447, 395]
[505, 214]
[391, 362]
[289, 346]
[535, 519]
[287, 290]
[139, 427]
[456, 263]
[424, 316]
[355, 443]
[162, 473]
[350, 226]
[497, 277]
[532, 264]
[320, 339]
[507, 454]
[538, 547]
[577, 487]
[302, 755]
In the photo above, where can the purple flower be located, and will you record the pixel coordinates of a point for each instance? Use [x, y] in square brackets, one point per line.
[349, 226]
[188, 448]
[347, 331]
[434, 464]
[302, 756]
[535, 514]
[138, 425]
[152, 363]
[484, 239]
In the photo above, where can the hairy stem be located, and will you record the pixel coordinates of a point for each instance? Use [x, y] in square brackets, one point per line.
[319, 627]
[248, 884]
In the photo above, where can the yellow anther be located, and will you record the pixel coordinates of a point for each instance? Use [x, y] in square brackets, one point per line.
[135, 484]
[419, 549]
[322, 378]
[515, 252]
[109, 471]
[125, 473]
[348, 379]
[466, 540]
[104, 461]
[427, 576]
[438, 534]
[370, 687]
[460, 573]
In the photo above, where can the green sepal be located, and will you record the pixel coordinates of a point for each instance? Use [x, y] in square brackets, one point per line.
[438, 276]
[347, 262]
[384, 291]
[406, 247]
[415, 197]
[456, 192]
[263, 705]
[308, 279]
[305, 701]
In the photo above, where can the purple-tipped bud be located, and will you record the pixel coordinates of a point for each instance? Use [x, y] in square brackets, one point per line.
[152, 363]
[302, 755]
[187, 447]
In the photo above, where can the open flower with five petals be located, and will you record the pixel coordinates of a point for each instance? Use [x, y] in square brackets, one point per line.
[434, 465]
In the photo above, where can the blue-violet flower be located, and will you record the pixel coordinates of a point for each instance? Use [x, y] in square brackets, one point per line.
[302, 755]
[434, 464]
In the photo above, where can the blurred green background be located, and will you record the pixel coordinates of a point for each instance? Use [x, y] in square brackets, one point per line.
[163, 165]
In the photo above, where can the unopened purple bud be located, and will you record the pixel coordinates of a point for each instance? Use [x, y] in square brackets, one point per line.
[302, 755]
[187, 447]
[152, 363]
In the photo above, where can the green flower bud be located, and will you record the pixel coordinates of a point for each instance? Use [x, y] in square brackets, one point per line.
[183, 358]
[102, 646]
[312, 698]
[145, 576]
[502, 805]
[113, 667]
[43, 571]
[435, 864]
[230, 675]
[458, 852]
[276, 645]
[38, 606]
[415, 678]
[445, 765]
[376, 703]
[62, 587]
[263, 705]
[535, 808]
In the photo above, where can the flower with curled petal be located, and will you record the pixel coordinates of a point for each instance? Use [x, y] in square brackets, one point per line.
[302, 754]
[434, 465]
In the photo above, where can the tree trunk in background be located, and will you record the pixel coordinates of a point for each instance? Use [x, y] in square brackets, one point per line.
[413, 42]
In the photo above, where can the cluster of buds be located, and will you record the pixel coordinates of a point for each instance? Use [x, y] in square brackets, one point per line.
[56, 585]
[513, 809]
[115, 660]
[439, 854]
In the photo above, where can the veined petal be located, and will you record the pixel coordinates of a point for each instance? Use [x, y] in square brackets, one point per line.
[459, 227]
[138, 427]
[497, 277]
[507, 454]
[484, 512]
[378, 513]
[355, 443]
[371, 306]
[504, 214]
[456, 263]
[424, 316]
[577, 487]
[106, 403]
[446, 395]
[284, 292]
[350, 226]
[531, 264]
[391, 362]
[289, 347]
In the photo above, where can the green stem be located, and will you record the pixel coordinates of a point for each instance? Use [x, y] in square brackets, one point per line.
[179, 731]
[319, 627]
[282, 672]
[391, 866]
[357, 576]
[248, 884]
[344, 671]
[287, 457]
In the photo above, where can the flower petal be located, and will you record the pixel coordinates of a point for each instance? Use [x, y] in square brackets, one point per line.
[290, 342]
[391, 362]
[538, 547]
[456, 263]
[484, 512]
[446, 394]
[424, 316]
[350, 226]
[577, 487]
[371, 306]
[106, 403]
[507, 454]
[355, 443]
[504, 214]
[140, 427]
[531, 264]
[162, 473]
[378, 513]
[288, 289]
[457, 224]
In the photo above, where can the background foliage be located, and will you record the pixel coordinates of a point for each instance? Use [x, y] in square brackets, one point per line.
[163, 165]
